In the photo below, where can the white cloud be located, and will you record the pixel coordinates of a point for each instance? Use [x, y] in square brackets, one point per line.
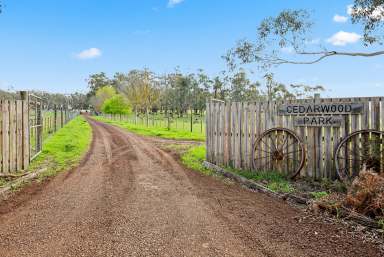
[342, 38]
[340, 18]
[89, 53]
[350, 9]
[173, 3]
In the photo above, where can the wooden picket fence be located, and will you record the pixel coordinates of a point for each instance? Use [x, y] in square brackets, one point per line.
[14, 131]
[232, 129]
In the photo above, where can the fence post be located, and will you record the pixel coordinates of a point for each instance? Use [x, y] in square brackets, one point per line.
[38, 129]
[25, 129]
[24, 95]
[191, 121]
[61, 116]
[169, 124]
[201, 121]
[55, 118]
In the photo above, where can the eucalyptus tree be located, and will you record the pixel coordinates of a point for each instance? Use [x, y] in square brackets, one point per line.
[291, 29]
[96, 81]
[140, 88]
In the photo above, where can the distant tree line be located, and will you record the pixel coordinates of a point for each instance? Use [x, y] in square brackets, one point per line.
[143, 91]
[76, 100]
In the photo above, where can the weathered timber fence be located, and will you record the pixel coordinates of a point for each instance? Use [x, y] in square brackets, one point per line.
[14, 137]
[24, 125]
[232, 131]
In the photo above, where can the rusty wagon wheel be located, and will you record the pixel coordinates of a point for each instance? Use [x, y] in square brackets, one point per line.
[279, 149]
[361, 149]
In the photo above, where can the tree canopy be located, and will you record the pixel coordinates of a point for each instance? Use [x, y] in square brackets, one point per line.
[176, 93]
[291, 30]
[102, 94]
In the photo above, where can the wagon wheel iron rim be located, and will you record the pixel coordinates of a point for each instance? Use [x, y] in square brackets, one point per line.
[361, 149]
[279, 148]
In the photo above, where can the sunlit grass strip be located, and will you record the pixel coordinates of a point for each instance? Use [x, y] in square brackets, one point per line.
[64, 149]
[155, 131]
[194, 158]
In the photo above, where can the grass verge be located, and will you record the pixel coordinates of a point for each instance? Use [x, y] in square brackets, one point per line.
[65, 148]
[155, 131]
[273, 180]
[194, 157]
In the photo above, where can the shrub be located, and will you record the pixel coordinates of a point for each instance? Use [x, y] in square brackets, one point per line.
[116, 105]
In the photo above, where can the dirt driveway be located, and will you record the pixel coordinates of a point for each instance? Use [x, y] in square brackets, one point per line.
[129, 198]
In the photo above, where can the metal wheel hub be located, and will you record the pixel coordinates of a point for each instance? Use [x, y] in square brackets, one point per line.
[278, 155]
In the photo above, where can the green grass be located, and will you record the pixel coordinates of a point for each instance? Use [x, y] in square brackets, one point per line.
[273, 180]
[319, 195]
[161, 120]
[155, 131]
[193, 159]
[65, 148]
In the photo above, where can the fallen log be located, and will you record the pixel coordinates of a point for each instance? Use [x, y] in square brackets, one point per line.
[2, 175]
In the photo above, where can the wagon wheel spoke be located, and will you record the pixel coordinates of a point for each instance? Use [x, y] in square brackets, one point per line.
[361, 147]
[265, 144]
[294, 143]
[259, 158]
[276, 145]
[288, 153]
[264, 151]
[273, 143]
[285, 141]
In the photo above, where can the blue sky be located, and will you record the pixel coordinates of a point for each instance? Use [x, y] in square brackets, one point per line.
[54, 45]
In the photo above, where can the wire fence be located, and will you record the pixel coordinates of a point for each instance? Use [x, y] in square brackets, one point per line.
[192, 122]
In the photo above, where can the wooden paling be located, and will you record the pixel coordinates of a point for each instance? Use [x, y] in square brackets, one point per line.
[232, 129]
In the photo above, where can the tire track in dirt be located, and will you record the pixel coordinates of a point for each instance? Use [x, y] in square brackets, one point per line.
[130, 198]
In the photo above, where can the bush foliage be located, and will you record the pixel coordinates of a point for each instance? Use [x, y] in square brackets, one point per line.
[117, 104]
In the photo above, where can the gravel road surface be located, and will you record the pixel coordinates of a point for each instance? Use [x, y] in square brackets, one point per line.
[130, 198]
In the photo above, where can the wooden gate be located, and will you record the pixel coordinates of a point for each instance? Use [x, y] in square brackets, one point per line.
[321, 124]
[35, 126]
